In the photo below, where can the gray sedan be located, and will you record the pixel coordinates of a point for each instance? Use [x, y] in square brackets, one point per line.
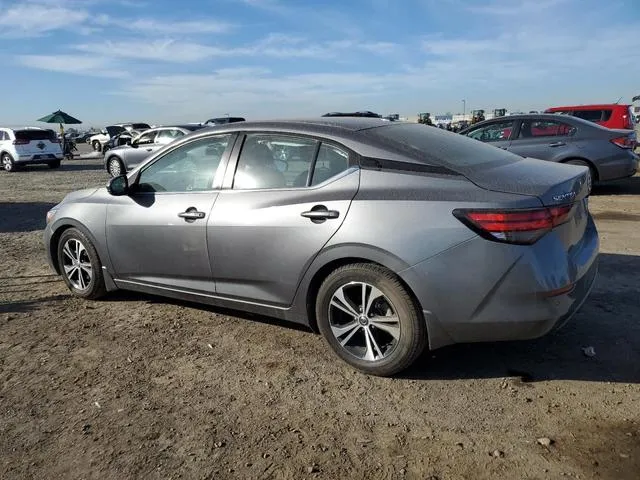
[559, 138]
[388, 237]
[121, 159]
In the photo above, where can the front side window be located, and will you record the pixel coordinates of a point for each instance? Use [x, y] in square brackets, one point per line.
[168, 135]
[147, 138]
[274, 161]
[492, 133]
[189, 168]
[544, 128]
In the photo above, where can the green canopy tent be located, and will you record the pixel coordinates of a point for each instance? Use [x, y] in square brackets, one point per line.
[61, 118]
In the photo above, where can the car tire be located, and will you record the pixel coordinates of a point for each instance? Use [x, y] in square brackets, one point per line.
[370, 320]
[115, 167]
[80, 265]
[54, 164]
[584, 163]
[8, 164]
[96, 146]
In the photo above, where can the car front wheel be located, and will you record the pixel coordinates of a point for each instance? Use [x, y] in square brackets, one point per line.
[115, 167]
[370, 320]
[80, 265]
[96, 146]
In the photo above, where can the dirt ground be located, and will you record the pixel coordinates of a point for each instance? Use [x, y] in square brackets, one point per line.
[142, 387]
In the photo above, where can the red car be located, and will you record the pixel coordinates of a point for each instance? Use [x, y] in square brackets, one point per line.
[608, 115]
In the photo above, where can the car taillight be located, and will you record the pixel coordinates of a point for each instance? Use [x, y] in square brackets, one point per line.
[20, 141]
[628, 124]
[514, 226]
[627, 141]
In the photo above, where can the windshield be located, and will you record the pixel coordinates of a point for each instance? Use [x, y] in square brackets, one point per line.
[140, 126]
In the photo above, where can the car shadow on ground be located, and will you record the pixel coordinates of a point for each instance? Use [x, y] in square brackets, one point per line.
[23, 216]
[609, 321]
[625, 186]
[77, 165]
[25, 306]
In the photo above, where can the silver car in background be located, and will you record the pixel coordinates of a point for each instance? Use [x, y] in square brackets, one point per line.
[124, 158]
[387, 237]
[608, 153]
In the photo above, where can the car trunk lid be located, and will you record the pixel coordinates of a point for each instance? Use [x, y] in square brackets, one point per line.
[553, 183]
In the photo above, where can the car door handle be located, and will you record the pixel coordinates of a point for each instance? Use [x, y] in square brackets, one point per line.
[149, 149]
[557, 144]
[504, 148]
[191, 214]
[320, 213]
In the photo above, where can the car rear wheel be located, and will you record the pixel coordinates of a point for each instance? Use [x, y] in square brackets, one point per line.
[7, 162]
[115, 167]
[54, 164]
[96, 146]
[80, 265]
[370, 320]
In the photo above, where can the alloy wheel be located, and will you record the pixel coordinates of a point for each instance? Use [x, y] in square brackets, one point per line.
[364, 321]
[115, 168]
[7, 164]
[77, 264]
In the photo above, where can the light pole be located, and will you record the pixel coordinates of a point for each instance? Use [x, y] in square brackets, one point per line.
[464, 107]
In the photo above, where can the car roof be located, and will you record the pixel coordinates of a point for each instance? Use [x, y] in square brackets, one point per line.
[335, 124]
[590, 107]
[185, 126]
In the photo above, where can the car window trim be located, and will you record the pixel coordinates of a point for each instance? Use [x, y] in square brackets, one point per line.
[218, 177]
[227, 184]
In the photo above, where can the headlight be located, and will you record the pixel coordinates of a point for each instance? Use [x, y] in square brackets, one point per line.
[50, 214]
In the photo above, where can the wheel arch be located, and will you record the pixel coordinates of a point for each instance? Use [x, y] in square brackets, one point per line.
[336, 257]
[591, 165]
[63, 225]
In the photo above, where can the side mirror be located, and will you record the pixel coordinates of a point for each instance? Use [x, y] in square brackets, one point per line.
[118, 186]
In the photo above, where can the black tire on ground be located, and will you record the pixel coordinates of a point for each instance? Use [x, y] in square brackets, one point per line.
[583, 163]
[96, 146]
[115, 167]
[54, 164]
[7, 163]
[413, 332]
[67, 249]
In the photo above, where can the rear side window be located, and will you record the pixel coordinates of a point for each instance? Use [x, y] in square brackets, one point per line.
[30, 135]
[599, 115]
[544, 128]
[435, 146]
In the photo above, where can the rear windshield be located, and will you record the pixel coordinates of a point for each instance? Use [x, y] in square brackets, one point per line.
[435, 146]
[140, 126]
[34, 135]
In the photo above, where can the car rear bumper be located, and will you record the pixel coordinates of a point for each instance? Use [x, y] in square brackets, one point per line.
[621, 166]
[40, 158]
[485, 291]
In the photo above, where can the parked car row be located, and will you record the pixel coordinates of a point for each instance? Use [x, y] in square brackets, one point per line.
[608, 153]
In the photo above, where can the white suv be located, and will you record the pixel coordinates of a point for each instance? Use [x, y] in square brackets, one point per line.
[29, 145]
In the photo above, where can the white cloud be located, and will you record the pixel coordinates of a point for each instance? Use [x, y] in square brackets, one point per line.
[274, 45]
[33, 19]
[149, 25]
[75, 64]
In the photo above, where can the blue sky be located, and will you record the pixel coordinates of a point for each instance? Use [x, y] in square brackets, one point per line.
[164, 61]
